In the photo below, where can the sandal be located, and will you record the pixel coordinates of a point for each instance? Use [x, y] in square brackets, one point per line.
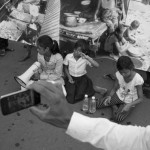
[2, 52]
[109, 76]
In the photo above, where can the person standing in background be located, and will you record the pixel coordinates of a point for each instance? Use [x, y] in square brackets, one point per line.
[4, 46]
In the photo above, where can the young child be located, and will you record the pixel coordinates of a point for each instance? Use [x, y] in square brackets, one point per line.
[50, 59]
[127, 91]
[130, 32]
[78, 83]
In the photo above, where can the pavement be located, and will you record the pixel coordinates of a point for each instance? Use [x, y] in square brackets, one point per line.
[23, 131]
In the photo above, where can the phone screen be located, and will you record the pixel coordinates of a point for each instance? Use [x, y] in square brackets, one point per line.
[19, 100]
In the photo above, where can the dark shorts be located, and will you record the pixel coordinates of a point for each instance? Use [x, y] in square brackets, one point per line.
[75, 92]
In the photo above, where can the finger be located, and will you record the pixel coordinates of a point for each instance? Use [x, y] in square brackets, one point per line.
[47, 85]
[39, 113]
[59, 87]
[41, 88]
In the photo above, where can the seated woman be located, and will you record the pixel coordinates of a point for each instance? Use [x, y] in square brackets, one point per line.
[51, 60]
[115, 44]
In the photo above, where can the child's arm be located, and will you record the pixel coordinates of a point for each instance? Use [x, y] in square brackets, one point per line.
[68, 74]
[137, 101]
[132, 40]
[97, 9]
[92, 61]
[114, 89]
[140, 96]
[122, 48]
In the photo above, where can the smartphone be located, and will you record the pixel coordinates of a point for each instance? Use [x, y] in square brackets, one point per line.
[19, 100]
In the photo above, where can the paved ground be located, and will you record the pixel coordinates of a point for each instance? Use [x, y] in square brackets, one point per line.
[22, 131]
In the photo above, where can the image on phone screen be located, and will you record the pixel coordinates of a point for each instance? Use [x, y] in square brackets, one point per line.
[19, 100]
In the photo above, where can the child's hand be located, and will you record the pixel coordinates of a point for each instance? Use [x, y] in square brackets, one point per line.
[107, 100]
[36, 76]
[132, 41]
[83, 55]
[71, 80]
[126, 108]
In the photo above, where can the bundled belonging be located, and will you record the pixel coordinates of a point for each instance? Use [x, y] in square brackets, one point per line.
[9, 30]
[21, 16]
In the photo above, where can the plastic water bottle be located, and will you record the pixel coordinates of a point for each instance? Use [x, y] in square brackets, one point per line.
[92, 107]
[85, 105]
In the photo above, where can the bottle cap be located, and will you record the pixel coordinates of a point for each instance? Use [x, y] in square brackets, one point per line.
[93, 97]
[85, 95]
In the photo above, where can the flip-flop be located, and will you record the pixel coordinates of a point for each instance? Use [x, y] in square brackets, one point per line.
[109, 76]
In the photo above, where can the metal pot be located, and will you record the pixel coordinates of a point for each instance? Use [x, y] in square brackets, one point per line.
[70, 19]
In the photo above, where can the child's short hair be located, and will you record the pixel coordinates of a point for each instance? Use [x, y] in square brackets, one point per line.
[83, 44]
[124, 62]
[135, 24]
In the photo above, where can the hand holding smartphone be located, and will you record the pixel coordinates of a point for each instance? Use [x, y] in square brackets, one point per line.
[19, 100]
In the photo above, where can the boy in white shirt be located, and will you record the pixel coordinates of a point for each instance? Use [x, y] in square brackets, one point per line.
[78, 83]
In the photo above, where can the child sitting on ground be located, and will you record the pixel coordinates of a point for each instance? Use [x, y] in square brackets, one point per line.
[130, 32]
[77, 82]
[127, 91]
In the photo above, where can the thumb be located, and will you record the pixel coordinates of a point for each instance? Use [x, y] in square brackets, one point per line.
[61, 88]
[39, 113]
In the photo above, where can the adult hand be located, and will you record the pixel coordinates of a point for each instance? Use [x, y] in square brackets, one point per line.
[59, 112]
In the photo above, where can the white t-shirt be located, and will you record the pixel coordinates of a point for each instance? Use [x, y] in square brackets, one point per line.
[128, 91]
[76, 68]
